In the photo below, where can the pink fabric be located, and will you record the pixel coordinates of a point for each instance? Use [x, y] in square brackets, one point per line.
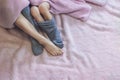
[98, 2]
[77, 9]
[80, 10]
[37, 2]
[9, 11]
[91, 52]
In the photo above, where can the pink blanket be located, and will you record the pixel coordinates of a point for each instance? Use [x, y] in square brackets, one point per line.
[91, 52]
[10, 10]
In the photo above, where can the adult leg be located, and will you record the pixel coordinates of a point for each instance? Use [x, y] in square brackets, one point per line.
[27, 27]
[44, 10]
[49, 25]
[36, 47]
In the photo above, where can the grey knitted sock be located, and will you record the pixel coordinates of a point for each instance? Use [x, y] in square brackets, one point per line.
[50, 28]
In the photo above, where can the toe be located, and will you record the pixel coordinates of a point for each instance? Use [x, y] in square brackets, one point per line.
[60, 51]
[53, 53]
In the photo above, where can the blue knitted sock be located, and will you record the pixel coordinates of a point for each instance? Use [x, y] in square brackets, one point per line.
[50, 28]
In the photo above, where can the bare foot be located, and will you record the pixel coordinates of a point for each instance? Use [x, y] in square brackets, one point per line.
[52, 49]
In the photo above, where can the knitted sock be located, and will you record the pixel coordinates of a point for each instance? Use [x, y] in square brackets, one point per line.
[50, 28]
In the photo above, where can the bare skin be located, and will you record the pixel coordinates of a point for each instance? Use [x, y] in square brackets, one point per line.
[27, 27]
[41, 13]
[42, 9]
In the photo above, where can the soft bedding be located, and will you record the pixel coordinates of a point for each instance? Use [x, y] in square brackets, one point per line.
[91, 52]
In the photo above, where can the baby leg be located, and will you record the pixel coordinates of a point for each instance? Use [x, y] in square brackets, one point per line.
[27, 27]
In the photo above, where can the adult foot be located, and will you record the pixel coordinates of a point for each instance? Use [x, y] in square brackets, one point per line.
[52, 49]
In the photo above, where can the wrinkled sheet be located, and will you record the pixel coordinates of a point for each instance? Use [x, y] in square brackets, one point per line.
[91, 52]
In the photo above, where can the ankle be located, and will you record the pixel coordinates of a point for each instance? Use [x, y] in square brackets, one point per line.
[44, 42]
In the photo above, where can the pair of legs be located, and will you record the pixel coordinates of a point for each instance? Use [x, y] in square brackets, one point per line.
[42, 9]
[47, 23]
[27, 27]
